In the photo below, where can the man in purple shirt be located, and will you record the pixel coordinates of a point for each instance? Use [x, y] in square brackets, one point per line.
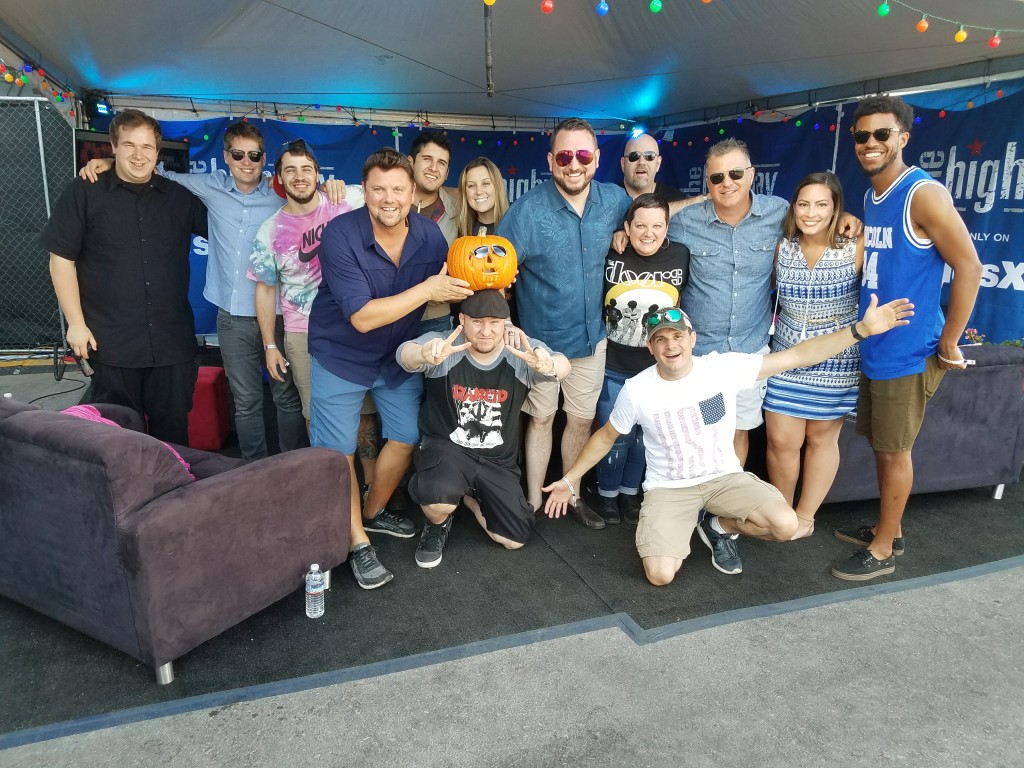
[379, 266]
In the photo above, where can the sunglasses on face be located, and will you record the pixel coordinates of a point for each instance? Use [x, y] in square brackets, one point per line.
[650, 157]
[880, 134]
[564, 158]
[667, 315]
[239, 155]
[735, 174]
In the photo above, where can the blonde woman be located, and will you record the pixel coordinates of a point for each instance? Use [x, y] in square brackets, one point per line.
[482, 198]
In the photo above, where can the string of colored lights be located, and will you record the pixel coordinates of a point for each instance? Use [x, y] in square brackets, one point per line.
[885, 8]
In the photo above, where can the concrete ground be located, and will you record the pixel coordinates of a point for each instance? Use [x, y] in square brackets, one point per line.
[930, 675]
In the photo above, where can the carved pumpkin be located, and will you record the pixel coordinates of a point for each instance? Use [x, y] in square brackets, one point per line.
[484, 262]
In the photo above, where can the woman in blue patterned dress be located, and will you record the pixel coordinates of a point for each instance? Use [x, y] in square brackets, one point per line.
[817, 282]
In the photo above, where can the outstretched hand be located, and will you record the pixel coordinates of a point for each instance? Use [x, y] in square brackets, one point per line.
[560, 498]
[879, 319]
[436, 351]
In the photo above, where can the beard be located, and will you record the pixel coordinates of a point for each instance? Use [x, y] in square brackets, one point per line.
[573, 188]
[887, 163]
[301, 200]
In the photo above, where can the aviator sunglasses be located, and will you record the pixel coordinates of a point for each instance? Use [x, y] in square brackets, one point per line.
[564, 158]
[239, 155]
[650, 157]
[735, 174]
[482, 251]
[880, 134]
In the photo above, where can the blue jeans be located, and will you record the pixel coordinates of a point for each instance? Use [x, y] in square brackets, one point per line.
[241, 349]
[623, 468]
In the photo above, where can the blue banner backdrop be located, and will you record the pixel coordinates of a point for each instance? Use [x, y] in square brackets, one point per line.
[972, 151]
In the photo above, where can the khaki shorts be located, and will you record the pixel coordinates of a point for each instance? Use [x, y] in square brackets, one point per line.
[890, 411]
[580, 389]
[668, 516]
[750, 401]
[296, 351]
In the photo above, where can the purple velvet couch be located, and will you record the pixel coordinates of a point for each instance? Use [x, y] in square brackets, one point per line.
[972, 436]
[103, 530]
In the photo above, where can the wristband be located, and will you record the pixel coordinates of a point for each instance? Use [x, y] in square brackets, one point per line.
[572, 491]
[856, 335]
[962, 361]
[269, 346]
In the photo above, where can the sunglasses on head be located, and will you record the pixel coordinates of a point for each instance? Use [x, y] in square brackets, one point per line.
[667, 315]
[880, 134]
[650, 157]
[239, 155]
[735, 174]
[564, 158]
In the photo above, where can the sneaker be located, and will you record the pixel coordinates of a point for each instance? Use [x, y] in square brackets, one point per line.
[432, 542]
[863, 566]
[391, 524]
[629, 508]
[608, 508]
[864, 536]
[724, 555]
[367, 569]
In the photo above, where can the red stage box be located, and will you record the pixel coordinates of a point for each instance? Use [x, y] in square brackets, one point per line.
[209, 421]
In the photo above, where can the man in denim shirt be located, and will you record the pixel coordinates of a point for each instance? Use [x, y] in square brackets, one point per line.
[562, 231]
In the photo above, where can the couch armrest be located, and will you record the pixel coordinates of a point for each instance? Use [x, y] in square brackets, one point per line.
[205, 556]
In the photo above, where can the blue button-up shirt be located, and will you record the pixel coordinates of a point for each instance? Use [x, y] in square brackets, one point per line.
[728, 296]
[561, 263]
[234, 219]
[355, 271]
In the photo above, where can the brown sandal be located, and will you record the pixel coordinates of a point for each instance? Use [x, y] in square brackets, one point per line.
[810, 527]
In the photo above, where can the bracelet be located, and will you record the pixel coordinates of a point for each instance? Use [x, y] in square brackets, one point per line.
[269, 346]
[572, 491]
[856, 335]
[961, 361]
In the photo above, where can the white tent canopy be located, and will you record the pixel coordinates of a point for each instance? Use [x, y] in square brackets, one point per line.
[691, 62]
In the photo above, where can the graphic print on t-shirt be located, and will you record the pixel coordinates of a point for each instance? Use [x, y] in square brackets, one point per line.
[628, 305]
[694, 447]
[479, 414]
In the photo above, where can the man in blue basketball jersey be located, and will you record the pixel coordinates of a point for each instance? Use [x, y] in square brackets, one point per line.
[911, 232]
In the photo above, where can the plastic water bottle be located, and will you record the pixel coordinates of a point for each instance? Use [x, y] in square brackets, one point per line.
[314, 592]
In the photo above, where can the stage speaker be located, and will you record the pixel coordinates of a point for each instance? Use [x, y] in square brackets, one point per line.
[36, 162]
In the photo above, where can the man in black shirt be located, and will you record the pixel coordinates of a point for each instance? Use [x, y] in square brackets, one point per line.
[119, 261]
[475, 382]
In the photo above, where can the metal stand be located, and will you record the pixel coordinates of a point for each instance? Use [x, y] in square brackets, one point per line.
[165, 673]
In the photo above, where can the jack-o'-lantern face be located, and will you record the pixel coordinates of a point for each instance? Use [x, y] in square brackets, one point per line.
[483, 262]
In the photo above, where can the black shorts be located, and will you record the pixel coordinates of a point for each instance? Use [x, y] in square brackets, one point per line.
[446, 472]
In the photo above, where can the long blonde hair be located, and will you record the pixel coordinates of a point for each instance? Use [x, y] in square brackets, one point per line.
[466, 216]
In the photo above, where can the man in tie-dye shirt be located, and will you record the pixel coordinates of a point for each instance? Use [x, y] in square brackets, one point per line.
[285, 263]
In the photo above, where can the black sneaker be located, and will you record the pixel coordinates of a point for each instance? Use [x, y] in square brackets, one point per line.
[864, 536]
[629, 508]
[367, 569]
[862, 566]
[608, 508]
[432, 542]
[391, 524]
[724, 555]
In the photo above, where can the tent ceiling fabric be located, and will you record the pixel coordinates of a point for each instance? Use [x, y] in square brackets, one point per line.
[429, 56]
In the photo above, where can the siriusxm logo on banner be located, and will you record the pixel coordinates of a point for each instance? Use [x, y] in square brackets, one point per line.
[978, 180]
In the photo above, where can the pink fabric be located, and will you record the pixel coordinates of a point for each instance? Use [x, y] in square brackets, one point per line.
[89, 413]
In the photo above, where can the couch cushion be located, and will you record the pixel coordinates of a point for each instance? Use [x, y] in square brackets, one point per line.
[9, 406]
[138, 467]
